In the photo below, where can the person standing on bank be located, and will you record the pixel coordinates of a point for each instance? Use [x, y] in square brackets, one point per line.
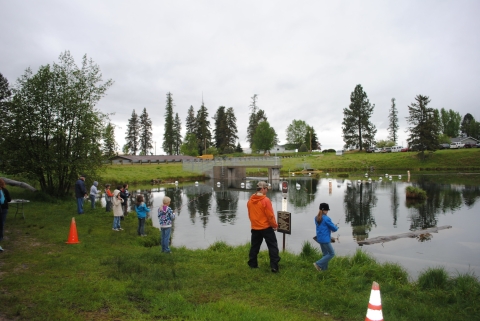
[108, 198]
[324, 228]
[124, 194]
[142, 210]
[165, 216]
[93, 193]
[264, 225]
[80, 193]
[117, 210]
[4, 200]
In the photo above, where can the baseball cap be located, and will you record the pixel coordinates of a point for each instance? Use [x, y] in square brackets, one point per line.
[324, 207]
[262, 184]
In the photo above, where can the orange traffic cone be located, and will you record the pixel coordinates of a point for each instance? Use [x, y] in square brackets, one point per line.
[72, 237]
[374, 312]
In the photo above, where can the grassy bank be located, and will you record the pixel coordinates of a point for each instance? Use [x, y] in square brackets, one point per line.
[464, 160]
[120, 276]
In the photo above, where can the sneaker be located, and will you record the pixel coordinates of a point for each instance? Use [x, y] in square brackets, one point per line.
[1, 250]
[114, 229]
[144, 234]
[274, 270]
[317, 267]
[120, 229]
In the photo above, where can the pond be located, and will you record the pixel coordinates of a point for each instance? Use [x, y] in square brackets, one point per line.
[363, 209]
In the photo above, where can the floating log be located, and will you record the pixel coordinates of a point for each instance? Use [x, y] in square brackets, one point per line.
[383, 239]
[19, 184]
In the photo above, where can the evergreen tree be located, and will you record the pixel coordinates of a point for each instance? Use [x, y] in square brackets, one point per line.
[133, 134]
[358, 131]
[145, 133]
[469, 126]
[393, 122]
[239, 148]
[203, 134]
[256, 116]
[220, 130]
[168, 136]
[231, 129]
[190, 123]
[311, 139]
[177, 135]
[424, 126]
[109, 144]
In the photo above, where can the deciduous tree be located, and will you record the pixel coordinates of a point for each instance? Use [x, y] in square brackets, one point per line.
[264, 138]
[450, 122]
[52, 131]
[296, 133]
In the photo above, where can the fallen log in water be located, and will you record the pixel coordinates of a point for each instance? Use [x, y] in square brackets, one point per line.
[383, 239]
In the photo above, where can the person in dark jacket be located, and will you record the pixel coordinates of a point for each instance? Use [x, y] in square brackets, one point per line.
[124, 194]
[4, 208]
[80, 193]
[324, 228]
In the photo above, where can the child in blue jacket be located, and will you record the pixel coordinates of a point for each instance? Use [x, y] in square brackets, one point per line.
[142, 211]
[165, 217]
[324, 228]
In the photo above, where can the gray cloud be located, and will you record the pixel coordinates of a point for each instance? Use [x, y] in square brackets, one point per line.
[303, 59]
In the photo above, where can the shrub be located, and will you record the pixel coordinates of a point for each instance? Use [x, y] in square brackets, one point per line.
[415, 192]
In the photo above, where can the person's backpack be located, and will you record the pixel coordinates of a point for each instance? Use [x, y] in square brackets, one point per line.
[2, 198]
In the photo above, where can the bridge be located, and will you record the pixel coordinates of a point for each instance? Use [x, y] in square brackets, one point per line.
[234, 169]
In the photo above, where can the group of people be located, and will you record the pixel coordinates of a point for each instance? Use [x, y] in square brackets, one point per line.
[264, 225]
[117, 201]
[260, 213]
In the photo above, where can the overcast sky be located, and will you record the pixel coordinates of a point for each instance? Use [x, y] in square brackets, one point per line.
[302, 58]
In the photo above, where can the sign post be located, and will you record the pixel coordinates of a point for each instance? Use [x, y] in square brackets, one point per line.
[284, 218]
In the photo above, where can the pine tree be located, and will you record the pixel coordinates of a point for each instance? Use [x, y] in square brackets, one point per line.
[190, 123]
[220, 129]
[393, 122]
[145, 133]
[311, 139]
[256, 116]
[239, 148]
[424, 127]
[133, 134]
[231, 129]
[177, 135]
[204, 136]
[168, 136]
[358, 131]
[109, 144]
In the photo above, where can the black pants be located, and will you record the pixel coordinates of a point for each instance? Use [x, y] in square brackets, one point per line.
[271, 240]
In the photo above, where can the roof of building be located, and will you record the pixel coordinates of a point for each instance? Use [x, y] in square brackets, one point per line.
[153, 158]
[462, 139]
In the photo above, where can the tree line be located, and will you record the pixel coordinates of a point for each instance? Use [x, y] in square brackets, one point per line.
[428, 127]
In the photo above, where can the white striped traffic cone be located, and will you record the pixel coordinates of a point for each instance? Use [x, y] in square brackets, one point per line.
[374, 312]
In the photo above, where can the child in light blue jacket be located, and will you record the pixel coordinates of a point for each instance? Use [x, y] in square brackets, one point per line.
[142, 211]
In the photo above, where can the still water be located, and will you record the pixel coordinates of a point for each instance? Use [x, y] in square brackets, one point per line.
[208, 212]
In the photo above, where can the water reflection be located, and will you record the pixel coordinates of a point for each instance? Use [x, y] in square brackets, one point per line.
[359, 199]
[367, 209]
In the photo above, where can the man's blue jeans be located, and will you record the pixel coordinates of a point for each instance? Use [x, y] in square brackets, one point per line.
[80, 205]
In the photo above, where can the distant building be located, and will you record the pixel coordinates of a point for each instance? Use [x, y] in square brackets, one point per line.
[464, 140]
[149, 159]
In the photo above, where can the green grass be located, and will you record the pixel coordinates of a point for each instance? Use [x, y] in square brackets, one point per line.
[120, 276]
[463, 160]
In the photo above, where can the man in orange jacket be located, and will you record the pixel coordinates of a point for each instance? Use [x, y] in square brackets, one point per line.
[264, 225]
